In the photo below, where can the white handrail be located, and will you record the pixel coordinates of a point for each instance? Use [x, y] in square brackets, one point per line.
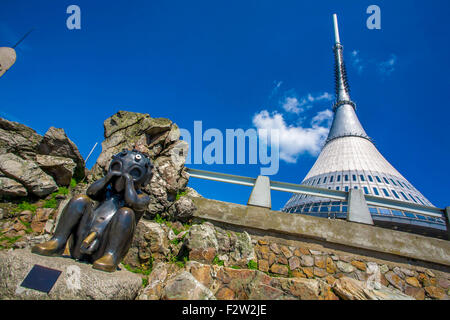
[318, 192]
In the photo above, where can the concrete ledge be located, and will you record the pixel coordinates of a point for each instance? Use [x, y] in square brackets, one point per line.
[333, 231]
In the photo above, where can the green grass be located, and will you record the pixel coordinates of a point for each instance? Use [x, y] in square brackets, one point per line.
[217, 261]
[235, 267]
[52, 202]
[10, 241]
[180, 194]
[253, 265]
[25, 206]
[73, 183]
[27, 225]
[160, 220]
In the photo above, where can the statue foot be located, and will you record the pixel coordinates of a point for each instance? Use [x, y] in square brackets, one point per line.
[49, 248]
[105, 263]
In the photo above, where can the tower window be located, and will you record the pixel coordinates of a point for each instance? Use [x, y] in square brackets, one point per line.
[375, 190]
[337, 188]
[339, 178]
[401, 185]
[370, 178]
[354, 177]
[362, 178]
[378, 179]
[386, 193]
[385, 180]
[346, 177]
[395, 194]
[331, 178]
[404, 196]
[325, 180]
[313, 181]
[420, 201]
[366, 190]
[393, 182]
[356, 187]
[346, 188]
[412, 198]
[318, 181]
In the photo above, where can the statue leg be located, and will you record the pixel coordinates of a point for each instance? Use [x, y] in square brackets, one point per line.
[70, 218]
[117, 240]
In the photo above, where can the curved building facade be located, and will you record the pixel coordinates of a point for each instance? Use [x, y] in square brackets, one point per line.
[349, 159]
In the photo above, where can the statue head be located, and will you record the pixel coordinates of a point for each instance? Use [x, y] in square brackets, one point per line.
[136, 164]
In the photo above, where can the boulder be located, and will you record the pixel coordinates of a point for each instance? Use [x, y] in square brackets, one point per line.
[18, 139]
[351, 289]
[56, 143]
[156, 281]
[185, 287]
[78, 281]
[202, 243]
[159, 138]
[27, 173]
[60, 168]
[11, 188]
[183, 209]
[205, 241]
[150, 240]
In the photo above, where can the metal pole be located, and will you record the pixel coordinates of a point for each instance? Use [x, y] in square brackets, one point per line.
[91, 152]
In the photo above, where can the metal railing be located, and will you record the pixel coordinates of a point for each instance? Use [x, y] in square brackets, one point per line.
[319, 192]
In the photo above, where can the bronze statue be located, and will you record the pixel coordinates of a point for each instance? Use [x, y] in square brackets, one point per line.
[103, 234]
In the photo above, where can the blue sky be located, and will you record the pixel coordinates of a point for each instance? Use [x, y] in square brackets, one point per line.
[225, 62]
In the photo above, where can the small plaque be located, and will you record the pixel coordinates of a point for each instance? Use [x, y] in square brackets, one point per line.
[41, 278]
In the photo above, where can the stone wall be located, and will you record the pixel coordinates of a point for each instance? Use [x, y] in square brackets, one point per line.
[315, 254]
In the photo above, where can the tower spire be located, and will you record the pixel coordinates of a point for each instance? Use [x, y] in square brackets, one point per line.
[342, 88]
[345, 122]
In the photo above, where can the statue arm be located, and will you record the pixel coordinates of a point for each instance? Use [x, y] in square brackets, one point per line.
[138, 202]
[96, 191]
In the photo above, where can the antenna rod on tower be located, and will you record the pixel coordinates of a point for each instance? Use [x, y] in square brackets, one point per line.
[23, 38]
[336, 29]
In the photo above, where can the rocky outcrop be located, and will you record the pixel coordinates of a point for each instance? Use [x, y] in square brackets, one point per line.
[28, 173]
[36, 165]
[159, 138]
[56, 143]
[11, 188]
[62, 169]
[18, 139]
[77, 281]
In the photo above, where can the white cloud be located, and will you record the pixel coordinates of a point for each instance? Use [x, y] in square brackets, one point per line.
[295, 140]
[388, 66]
[291, 104]
[323, 116]
[356, 61]
[384, 68]
[294, 105]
